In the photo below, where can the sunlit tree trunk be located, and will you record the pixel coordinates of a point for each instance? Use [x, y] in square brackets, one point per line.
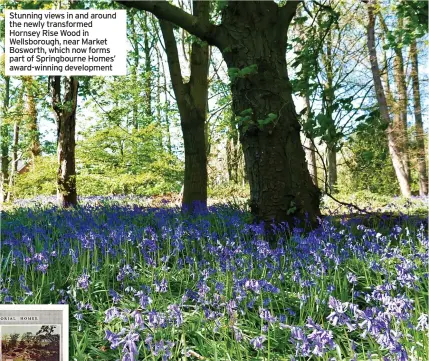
[64, 107]
[310, 148]
[5, 141]
[329, 96]
[33, 128]
[14, 162]
[15, 142]
[402, 103]
[134, 70]
[148, 70]
[394, 149]
[233, 152]
[192, 103]
[421, 152]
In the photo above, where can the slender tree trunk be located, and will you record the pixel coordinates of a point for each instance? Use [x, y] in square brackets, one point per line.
[310, 156]
[148, 71]
[402, 104]
[158, 100]
[65, 114]
[32, 120]
[166, 122]
[207, 134]
[5, 140]
[280, 184]
[134, 71]
[329, 103]
[233, 152]
[421, 152]
[192, 102]
[310, 149]
[332, 169]
[14, 168]
[167, 119]
[394, 149]
[15, 141]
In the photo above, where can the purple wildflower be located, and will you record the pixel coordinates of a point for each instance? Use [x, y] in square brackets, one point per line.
[257, 342]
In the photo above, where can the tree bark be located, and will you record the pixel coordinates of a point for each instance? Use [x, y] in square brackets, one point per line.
[192, 103]
[65, 115]
[421, 150]
[394, 149]
[280, 184]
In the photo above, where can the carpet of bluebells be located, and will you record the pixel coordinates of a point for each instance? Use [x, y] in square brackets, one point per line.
[150, 283]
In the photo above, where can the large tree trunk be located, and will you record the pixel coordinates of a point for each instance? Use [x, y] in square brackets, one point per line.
[421, 153]
[65, 115]
[394, 149]
[280, 184]
[192, 103]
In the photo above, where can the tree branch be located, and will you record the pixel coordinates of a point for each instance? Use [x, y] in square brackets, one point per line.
[165, 11]
[288, 11]
[180, 89]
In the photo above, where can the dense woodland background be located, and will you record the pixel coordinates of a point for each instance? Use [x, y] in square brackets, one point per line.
[128, 129]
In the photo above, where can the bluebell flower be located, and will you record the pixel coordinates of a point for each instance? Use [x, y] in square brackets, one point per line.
[111, 314]
[257, 342]
[266, 315]
[83, 281]
[423, 322]
[161, 286]
[351, 277]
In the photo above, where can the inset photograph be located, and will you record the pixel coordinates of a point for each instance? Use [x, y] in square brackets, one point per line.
[30, 342]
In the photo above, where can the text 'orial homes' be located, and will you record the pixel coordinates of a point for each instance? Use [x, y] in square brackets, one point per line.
[66, 42]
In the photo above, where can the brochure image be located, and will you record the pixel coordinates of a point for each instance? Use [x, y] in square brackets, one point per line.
[31, 343]
[33, 332]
